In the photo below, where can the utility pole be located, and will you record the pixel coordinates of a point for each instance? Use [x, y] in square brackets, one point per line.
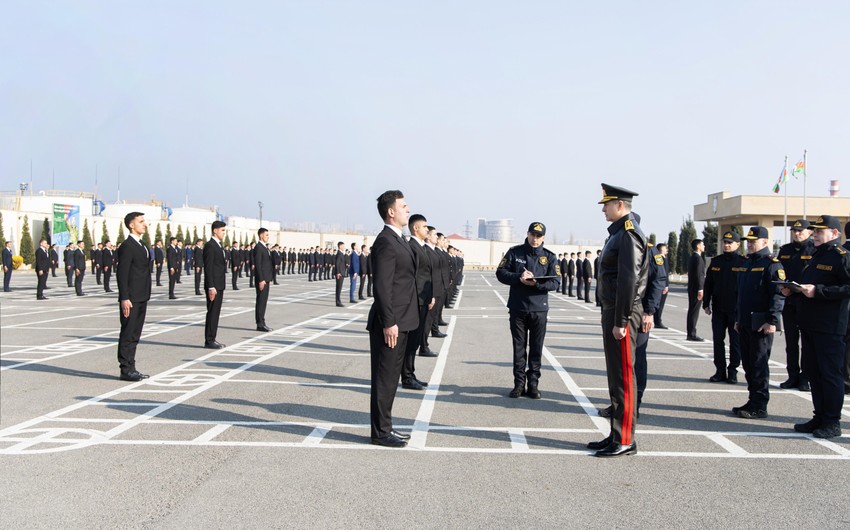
[260, 204]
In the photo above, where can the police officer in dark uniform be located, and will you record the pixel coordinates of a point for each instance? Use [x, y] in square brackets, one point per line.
[823, 304]
[759, 308]
[531, 271]
[719, 300]
[794, 257]
[623, 268]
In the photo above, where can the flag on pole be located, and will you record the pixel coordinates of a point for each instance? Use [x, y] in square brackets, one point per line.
[783, 178]
[799, 168]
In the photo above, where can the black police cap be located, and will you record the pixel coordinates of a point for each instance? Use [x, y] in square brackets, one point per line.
[731, 235]
[757, 232]
[826, 221]
[613, 193]
[538, 228]
[800, 225]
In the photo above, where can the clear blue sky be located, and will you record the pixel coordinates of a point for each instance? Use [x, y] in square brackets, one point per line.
[472, 108]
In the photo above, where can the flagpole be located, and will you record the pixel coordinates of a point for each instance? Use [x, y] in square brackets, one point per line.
[785, 218]
[804, 183]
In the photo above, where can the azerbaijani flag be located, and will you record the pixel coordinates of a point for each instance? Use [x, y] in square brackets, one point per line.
[799, 168]
[783, 178]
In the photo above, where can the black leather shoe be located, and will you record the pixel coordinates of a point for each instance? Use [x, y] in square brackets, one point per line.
[438, 334]
[389, 441]
[109, 291]
[607, 412]
[361, 298]
[412, 385]
[828, 431]
[696, 339]
[617, 450]
[172, 298]
[661, 326]
[423, 383]
[533, 393]
[719, 377]
[442, 323]
[264, 328]
[732, 378]
[236, 288]
[809, 427]
[352, 301]
[804, 386]
[339, 304]
[214, 345]
[133, 376]
[400, 436]
[789, 383]
[517, 391]
[427, 353]
[736, 410]
[449, 306]
[752, 414]
[601, 444]
[198, 293]
[41, 298]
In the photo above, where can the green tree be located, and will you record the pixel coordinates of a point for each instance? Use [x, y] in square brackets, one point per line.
[253, 238]
[686, 235]
[2, 237]
[742, 249]
[710, 236]
[158, 235]
[105, 233]
[168, 235]
[226, 239]
[45, 230]
[195, 234]
[121, 236]
[651, 240]
[673, 251]
[204, 236]
[87, 235]
[179, 232]
[27, 249]
[146, 237]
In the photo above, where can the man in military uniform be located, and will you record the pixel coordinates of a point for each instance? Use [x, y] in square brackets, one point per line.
[759, 308]
[720, 299]
[531, 271]
[823, 304]
[794, 257]
[622, 281]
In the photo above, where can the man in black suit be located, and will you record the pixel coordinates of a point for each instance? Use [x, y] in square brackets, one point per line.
[439, 292]
[563, 260]
[198, 264]
[94, 257]
[106, 265]
[339, 270]
[264, 274]
[68, 258]
[79, 267]
[579, 275]
[235, 263]
[178, 270]
[696, 279]
[158, 258]
[7, 267]
[249, 264]
[587, 274]
[54, 259]
[277, 260]
[394, 314]
[214, 283]
[42, 268]
[425, 290]
[364, 270]
[172, 261]
[134, 291]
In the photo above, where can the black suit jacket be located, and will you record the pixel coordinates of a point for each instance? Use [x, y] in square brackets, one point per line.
[424, 273]
[339, 263]
[42, 260]
[79, 260]
[263, 268]
[197, 258]
[134, 278]
[214, 266]
[106, 258]
[436, 272]
[172, 257]
[394, 276]
[696, 273]
[158, 255]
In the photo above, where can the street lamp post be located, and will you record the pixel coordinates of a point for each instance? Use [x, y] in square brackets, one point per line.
[260, 204]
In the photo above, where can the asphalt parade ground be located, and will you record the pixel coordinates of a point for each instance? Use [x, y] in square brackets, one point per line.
[273, 430]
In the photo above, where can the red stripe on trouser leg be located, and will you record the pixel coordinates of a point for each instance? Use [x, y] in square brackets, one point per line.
[628, 374]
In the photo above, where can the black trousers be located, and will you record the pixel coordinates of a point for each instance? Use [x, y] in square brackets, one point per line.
[434, 316]
[369, 285]
[262, 301]
[53, 270]
[69, 275]
[213, 313]
[42, 283]
[847, 359]
[528, 330]
[721, 324]
[641, 365]
[657, 316]
[386, 369]
[755, 355]
[824, 358]
[795, 368]
[198, 282]
[586, 291]
[7, 279]
[78, 282]
[107, 275]
[694, 306]
[235, 277]
[620, 365]
[362, 284]
[570, 281]
[98, 274]
[128, 338]
[172, 279]
[158, 273]
[339, 289]
[414, 341]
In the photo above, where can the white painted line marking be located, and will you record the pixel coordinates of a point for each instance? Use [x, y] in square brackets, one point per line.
[504, 302]
[486, 281]
[601, 423]
[832, 446]
[212, 433]
[518, 441]
[316, 437]
[733, 448]
[419, 434]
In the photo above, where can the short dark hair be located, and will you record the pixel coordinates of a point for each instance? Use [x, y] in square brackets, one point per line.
[586, 252]
[108, 241]
[173, 239]
[661, 246]
[572, 253]
[440, 234]
[261, 231]
[340, 243]
[415, 218]
[431, 228]
[386, 201]
[80, 241]
[694, 243]
[130, 217]
[218, 224]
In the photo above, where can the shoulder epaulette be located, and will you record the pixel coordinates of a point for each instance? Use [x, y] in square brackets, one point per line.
[840, 250]
[774, 260]
[629, 225]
